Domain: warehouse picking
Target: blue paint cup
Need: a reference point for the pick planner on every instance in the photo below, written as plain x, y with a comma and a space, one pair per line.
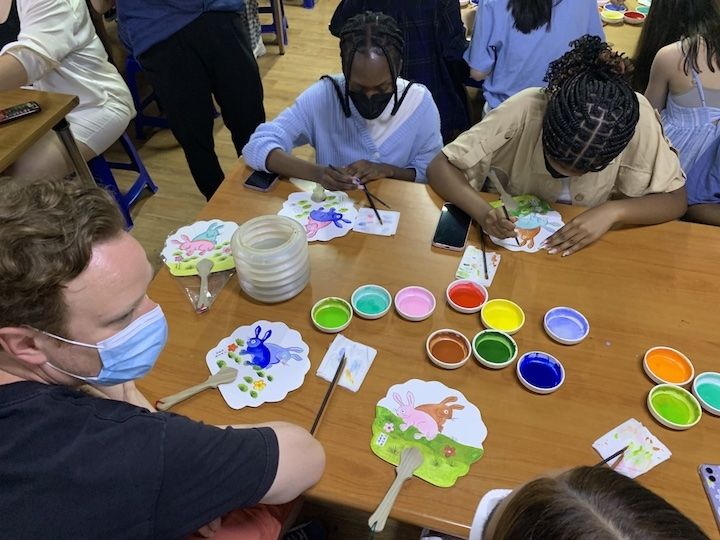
566, 325
540, 372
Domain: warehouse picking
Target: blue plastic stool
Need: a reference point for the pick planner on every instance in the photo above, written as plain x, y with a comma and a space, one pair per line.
101, 170
132, 68
274, 27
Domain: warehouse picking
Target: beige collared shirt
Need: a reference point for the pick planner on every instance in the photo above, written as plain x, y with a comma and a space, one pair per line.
509, 140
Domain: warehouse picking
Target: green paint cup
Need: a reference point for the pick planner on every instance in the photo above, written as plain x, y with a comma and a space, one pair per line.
674, 407
331, 315
494, 349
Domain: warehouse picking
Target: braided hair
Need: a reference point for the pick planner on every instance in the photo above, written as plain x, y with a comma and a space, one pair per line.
592, 110
365, 33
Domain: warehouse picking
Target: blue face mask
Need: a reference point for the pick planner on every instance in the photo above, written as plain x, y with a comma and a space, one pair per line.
129, 354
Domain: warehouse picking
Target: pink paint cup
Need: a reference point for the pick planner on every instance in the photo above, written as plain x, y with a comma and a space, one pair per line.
414, 303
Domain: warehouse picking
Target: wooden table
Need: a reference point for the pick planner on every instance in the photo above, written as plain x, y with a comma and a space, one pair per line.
638, 288
19, 135
624, 37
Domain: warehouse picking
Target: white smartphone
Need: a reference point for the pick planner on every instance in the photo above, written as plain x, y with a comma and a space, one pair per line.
452, 228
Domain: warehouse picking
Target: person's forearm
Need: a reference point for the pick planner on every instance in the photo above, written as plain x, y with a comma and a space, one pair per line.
12, 73
288, 165
450, 183
401, 174
650, 209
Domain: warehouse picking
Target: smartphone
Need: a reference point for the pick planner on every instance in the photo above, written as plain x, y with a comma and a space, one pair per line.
452, 228
261, 180
710, 476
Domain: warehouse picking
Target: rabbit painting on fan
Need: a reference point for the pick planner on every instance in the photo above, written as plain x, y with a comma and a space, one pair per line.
439, 421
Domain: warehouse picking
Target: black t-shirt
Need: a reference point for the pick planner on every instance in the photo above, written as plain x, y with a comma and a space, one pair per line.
74, 466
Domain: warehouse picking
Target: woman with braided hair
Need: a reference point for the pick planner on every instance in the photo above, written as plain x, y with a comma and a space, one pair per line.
368, 121
585, 139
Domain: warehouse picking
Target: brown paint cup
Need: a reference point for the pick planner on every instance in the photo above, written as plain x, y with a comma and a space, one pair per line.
448, 348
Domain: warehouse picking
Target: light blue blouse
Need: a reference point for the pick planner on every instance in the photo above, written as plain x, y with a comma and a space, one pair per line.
516, 60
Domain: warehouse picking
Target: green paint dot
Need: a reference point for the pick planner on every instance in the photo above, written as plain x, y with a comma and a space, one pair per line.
270, 378
253, 393
221, 363
243, 387
247, 379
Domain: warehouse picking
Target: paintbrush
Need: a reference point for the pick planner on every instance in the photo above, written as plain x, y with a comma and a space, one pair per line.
612, 456
505, 197
482, 246
331, 388
362, 187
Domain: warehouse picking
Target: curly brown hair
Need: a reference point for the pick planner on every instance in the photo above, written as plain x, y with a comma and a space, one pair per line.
48, 228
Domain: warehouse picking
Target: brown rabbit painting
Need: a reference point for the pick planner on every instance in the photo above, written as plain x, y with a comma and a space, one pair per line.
438, 420
442, 411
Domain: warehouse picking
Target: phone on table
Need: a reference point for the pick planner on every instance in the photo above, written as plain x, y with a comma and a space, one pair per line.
452, 228
710, 476
261, 180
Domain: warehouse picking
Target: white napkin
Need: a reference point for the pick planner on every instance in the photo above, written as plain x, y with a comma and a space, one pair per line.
359, 358
644, 451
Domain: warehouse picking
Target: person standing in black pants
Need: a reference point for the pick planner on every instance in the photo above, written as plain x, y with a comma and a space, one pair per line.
192, 51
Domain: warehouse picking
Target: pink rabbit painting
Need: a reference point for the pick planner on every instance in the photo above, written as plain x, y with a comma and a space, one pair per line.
425, 424
202, 243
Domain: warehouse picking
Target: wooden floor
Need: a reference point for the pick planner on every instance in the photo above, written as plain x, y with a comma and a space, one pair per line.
311, 52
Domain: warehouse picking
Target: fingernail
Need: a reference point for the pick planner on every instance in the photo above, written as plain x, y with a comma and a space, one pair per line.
552, 251
566, 253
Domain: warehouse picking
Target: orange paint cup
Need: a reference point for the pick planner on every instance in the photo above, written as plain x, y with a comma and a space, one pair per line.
665, 365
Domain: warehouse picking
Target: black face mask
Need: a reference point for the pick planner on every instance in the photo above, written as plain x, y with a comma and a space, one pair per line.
550, 169
370, 107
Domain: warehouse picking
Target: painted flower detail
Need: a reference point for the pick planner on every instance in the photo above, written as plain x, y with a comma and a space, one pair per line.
449, 451
178, 258
259, 385
232, 347
227, 250
389, 427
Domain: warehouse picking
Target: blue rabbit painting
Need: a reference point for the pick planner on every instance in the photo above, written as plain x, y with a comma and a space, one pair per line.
265, 354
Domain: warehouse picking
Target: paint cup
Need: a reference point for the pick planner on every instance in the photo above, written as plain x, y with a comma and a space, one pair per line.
566, 325
466, 296
674, 407
611, 17
665, 365
503, 315
706, 388
634, 17
331, 315
540, 372
494, 349
414, 303
448, 348
371, 301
